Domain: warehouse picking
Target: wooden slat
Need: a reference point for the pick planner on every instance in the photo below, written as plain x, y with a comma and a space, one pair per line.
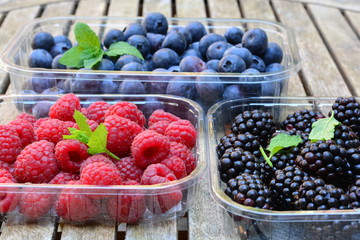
163, 6
331, 22
58, 9
8, 5
224, 9
354, 18
148, 230
44, 231
86, 232
321, 76
186, 9
341, 4
260, 9
123, 8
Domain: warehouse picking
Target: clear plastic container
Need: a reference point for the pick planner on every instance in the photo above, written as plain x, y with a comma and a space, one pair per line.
15, 57
252, 223
144, 202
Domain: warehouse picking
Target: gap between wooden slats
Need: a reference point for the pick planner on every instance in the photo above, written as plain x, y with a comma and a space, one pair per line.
354, 21
353, 5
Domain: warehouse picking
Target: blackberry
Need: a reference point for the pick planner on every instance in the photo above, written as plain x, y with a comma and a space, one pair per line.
354, 194
301, 120
284, 187
249, 190
340, 230
347, 111
345, 137
316, 195
245, 141
324, 159
353, 160
257, 122
236, 161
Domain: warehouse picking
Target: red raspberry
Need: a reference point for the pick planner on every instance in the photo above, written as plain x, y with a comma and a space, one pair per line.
39, 122
28, 117
127, 110
36, 163
72, 205
24, 130
8, 166
180, 150
95, 158
100, 173
128, 169
182, 131
161, 115
85, 112
8, 198
159, 173
121, 133
149, 147
127, 208
10, 143
159, 126
53, 130
64, 108
64, 178
96, 111
5, 173
35, 203
176, 165
70, 154
93, 125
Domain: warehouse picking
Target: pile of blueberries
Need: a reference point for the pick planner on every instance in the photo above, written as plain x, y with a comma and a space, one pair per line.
167, 51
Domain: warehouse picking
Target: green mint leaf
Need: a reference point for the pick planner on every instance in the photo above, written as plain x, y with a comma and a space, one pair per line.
85, 36
78, 135
90, 62
81, 121
282, 141
323, 129
123, 48
73, 57
97, 142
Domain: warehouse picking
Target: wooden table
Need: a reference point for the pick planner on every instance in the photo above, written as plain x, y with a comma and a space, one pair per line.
327, 35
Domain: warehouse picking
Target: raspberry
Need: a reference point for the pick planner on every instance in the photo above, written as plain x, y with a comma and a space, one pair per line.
34, 204
74, 206
39, 122
64, 178
6, 174
100, 173
25, 131
159, 173
7, 166
70, 154
161, 115
95, 158
127, 208
96, 111
127, 110
10, 143
182, 131
159, 126
36, 163
8, 198
128, 169
180, 150
176, 165
28, 117
64, 108
85, 112
121, 133
53, 130
149, 147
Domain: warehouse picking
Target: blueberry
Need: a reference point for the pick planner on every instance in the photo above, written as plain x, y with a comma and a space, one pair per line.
273, 54
271, 88
175, 41
148, 65
150, 105
197, 30
255, 40
43, 40
251, 71
41, 109
39, 84
104, 64
155, 41
274, 67
63, 39
195, 46
131, 87
55, 63
58, 48
141, 43
157, 84
185, 32
244, 53
165, 58
191, 52
181, 87
252, 87
231, 64
83, 82
258, 64
174, 69
109, 86
212, 64
216, 50
232, 92
234, 35
53, 90
209, 88
155, 23
192, 64
40, 58
113, 36
207, 40
25, 103
134, 29
133, 66
125, 59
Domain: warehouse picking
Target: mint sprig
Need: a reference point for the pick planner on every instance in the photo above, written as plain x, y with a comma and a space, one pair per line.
96, 141
323, 129
88, 51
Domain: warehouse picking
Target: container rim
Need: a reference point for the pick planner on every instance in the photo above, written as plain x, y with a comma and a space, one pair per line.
7, 65
261, 214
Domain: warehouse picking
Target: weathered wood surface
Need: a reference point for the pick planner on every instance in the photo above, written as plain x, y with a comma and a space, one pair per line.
354, 20
86, 232
353, 5
16, 231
